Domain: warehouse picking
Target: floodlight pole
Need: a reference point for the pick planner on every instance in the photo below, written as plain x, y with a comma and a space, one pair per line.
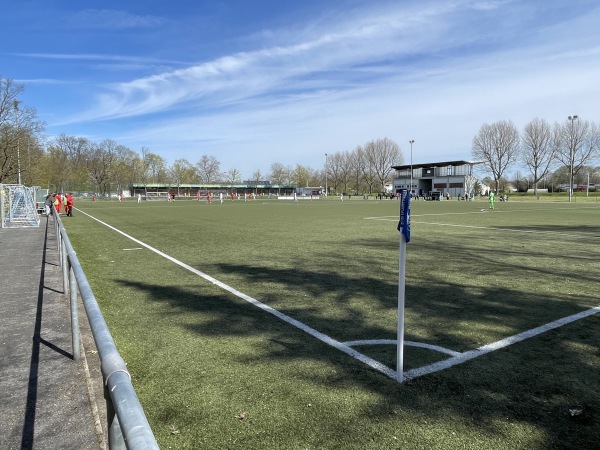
326, 175
411, 142
16, 106
571, 156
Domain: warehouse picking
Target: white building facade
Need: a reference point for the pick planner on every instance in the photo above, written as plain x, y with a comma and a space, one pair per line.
436, 180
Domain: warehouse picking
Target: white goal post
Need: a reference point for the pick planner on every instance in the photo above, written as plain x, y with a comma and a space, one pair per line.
157, 195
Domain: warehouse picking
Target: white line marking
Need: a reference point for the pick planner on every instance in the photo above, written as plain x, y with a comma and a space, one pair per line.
436, 348
472, 354
135, 248
396, 218
320, 336
516, 230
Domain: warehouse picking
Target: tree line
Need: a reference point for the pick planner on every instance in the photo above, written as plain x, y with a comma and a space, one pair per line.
77, 164
562, 150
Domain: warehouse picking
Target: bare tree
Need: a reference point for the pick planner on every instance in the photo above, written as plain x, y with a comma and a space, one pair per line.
279, 174
576, 143
336, 170
497, 145
257, 176
154, 167
121, 171
301, 175
69, 154
537, 149
19, 127
233, 176
355, 169
182, 171
99, 163
208, 169
381, 155
368, 166
470, 184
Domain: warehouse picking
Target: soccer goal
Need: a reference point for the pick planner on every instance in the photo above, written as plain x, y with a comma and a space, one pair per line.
17, 206
157, 195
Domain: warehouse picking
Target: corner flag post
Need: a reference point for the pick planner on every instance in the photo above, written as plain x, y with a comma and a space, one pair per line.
404, 228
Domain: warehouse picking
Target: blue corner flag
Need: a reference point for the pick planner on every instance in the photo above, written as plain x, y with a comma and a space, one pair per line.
404, 224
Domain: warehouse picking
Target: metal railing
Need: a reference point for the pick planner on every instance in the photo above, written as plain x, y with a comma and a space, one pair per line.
128, 427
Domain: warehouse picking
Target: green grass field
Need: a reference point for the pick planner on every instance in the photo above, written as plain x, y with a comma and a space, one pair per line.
214, 371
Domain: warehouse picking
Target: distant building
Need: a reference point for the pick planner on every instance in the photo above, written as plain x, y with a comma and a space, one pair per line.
308, 191
434, 180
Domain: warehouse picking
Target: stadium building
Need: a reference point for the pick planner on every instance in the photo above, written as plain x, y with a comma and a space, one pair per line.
162, 190
436, 180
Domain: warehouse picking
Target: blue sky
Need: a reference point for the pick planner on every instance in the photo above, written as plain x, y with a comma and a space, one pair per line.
263, 81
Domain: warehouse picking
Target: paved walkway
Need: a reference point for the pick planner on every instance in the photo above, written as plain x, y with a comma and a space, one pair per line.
47, 400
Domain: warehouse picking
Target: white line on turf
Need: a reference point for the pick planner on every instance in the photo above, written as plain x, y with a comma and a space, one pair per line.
472, 354
516, 230
496, 211
436, 348
311, 331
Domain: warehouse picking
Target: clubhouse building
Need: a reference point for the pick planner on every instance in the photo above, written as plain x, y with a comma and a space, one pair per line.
436, 180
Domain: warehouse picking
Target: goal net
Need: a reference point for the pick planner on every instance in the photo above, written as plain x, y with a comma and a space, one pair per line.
17, 206
157, 195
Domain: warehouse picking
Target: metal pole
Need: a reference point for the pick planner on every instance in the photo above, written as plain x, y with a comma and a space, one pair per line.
404, 228
325, 174
412, 141
1, 205
16, 106
571, 156
74, 314
65, 270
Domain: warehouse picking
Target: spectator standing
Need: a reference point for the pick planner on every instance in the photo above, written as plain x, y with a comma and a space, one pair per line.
58, 201
48, 204
69, 204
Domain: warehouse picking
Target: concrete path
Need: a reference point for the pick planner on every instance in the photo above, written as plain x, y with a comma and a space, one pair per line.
47, 400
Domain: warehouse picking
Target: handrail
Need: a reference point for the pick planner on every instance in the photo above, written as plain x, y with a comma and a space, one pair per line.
128, 426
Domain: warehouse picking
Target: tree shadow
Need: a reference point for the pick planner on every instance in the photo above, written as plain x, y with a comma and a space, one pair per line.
474, 393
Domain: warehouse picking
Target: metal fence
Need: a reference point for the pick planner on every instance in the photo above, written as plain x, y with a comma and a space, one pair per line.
17, 206
128, 427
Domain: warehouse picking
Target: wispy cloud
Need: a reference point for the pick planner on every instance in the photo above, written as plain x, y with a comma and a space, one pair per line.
431, 70
110, 19
357, 51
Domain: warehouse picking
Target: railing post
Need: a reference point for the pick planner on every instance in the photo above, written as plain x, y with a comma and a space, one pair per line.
115, 435
1, 205
64, 264
74, 314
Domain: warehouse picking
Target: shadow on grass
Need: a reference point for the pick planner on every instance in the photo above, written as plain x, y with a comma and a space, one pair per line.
535, 382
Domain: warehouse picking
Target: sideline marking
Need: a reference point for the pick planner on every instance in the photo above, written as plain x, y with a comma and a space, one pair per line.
296, 323
516, 230
433, 347
395, 218
472, 354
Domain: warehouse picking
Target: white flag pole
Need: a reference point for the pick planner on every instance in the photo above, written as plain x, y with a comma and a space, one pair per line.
404, 228
401, 285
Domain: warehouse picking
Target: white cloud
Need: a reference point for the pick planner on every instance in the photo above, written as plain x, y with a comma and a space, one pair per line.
432, 71
110, 19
